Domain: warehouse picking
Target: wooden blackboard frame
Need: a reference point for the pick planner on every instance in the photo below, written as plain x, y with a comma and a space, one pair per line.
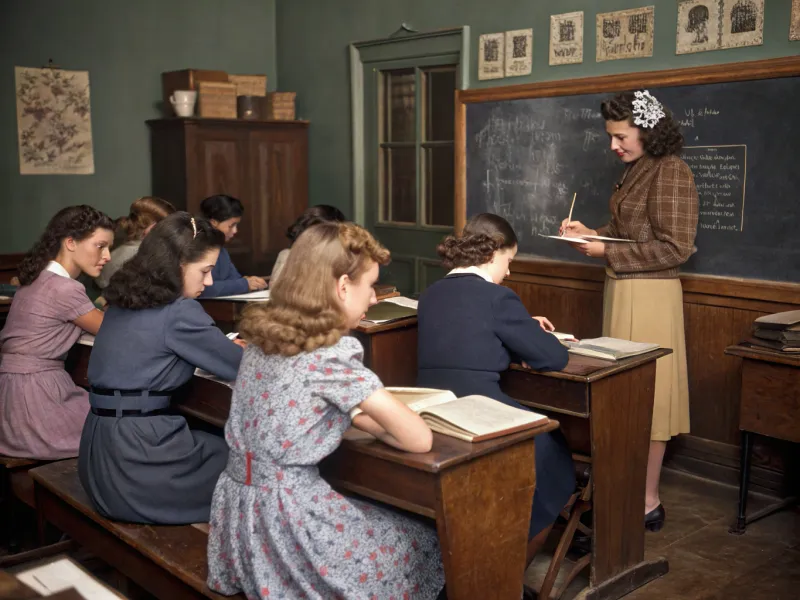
721, 73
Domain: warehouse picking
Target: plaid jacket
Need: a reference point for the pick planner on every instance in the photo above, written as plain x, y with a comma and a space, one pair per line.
657, 205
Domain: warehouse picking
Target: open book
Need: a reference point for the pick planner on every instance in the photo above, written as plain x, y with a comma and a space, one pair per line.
471, 418
63, 574
607, 348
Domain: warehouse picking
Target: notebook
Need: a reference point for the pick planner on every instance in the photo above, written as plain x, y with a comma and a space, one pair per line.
563, 337
391, 310
259, 296
471, 418
607, 348
584, 239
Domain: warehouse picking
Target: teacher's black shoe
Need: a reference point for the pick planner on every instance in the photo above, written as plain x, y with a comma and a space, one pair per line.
654, 520
529, 593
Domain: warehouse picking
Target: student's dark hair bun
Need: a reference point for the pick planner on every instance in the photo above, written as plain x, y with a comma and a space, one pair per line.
483, 235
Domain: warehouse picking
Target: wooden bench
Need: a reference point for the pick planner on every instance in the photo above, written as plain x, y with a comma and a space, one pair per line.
166, 561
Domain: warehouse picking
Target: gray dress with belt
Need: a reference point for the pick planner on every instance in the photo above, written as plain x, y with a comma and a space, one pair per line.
150, 467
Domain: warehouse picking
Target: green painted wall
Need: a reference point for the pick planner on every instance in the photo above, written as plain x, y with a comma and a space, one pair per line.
125, 46
313, 36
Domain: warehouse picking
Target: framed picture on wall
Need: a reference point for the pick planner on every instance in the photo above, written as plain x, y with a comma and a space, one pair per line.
566, 38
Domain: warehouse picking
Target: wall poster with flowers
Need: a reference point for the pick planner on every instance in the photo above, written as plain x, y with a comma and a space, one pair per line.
54, 122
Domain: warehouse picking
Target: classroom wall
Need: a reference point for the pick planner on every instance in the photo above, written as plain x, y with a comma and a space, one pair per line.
125, 46
313, 35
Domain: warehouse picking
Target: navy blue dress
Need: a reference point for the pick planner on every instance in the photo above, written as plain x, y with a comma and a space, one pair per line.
152, 468
470, 330
227, 280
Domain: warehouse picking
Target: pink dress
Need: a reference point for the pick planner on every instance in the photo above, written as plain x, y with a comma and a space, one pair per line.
41, 410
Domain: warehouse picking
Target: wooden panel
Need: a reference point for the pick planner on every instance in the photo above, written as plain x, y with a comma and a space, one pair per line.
216, 165
168, 161
279, 190
771, 400
9, 266
718, 312
619, 399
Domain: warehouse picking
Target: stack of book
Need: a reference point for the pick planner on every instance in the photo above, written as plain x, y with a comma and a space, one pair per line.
780, 331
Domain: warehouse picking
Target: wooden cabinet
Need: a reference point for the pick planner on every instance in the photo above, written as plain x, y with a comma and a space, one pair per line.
263, 163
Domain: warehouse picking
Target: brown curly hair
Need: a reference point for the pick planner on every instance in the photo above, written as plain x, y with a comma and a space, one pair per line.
303, 313
483, 235
76, 222
662, 140
145, 211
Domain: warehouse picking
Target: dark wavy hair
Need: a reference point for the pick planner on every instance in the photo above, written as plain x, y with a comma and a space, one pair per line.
221, 208
153, 277
76, 222
662, 140
322, 213
483, 235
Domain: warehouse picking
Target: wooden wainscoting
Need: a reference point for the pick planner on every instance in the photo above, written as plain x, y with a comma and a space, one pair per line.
718, 312
9, 263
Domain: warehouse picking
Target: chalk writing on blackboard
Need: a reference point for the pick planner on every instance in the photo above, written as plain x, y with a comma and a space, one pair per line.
720, 174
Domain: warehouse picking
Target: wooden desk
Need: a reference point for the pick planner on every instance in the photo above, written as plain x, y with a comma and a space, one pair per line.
770, 405
605, 410
480, 495
390, 349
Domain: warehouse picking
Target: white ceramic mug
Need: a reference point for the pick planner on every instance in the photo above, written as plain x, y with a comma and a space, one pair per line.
183, 102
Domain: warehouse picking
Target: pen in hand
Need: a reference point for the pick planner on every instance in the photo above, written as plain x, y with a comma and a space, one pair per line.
569, 218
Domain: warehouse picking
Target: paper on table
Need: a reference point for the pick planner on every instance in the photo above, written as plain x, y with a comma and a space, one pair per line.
62, 575
86, 339
259, 296
562, 336
403, 301
206, 375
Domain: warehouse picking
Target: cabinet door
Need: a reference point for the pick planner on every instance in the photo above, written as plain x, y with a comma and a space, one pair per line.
279, 176
217, 164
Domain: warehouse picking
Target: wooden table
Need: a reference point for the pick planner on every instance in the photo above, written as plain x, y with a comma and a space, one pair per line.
605, 410
479, 495
770, 405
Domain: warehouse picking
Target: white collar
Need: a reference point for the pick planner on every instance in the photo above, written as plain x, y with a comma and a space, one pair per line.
472, 271
58, 269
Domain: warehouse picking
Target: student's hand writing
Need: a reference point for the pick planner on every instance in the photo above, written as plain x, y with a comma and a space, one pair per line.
240, 343
255, 283
574, 228
545, 323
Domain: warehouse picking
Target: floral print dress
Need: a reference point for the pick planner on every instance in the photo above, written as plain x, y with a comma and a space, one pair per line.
277, 529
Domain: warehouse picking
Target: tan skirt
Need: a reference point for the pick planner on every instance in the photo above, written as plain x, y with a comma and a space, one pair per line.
651, 310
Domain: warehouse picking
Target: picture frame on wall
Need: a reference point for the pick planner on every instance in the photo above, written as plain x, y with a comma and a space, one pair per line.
491, 56
566, 38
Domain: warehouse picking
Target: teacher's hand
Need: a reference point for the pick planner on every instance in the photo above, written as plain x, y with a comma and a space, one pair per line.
545, 323
592, 249
574, 228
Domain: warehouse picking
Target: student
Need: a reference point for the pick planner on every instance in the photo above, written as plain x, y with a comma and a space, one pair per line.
311, 216
225, 214
41, 409
656, 204
277, 528
138, 461
144, 214
471, 328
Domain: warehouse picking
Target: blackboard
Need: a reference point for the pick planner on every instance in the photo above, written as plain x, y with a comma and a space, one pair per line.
526, 158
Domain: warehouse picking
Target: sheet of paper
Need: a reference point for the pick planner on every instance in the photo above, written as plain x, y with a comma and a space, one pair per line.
564, 238
403, 301
259, 296
602, 238
64, 574
86, 339
562, 336
206, 375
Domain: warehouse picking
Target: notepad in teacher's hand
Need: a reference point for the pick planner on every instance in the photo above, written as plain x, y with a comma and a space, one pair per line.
584, 239
259, 296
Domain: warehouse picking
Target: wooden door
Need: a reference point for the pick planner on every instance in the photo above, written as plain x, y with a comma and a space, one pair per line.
217, 164
279, 187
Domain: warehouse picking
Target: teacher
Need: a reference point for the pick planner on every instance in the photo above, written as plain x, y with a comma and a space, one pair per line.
655, 205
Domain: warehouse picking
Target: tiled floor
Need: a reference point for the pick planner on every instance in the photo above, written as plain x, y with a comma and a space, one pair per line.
705, 561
